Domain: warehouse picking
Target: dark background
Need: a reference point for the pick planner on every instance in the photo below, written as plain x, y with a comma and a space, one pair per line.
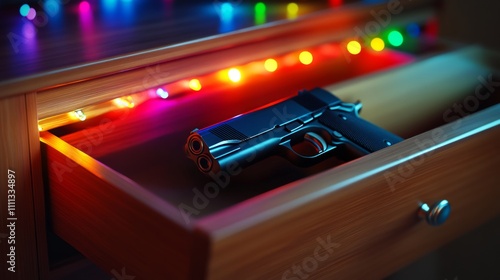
465, 21
471, 22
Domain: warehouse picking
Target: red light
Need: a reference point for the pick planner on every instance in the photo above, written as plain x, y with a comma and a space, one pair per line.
432, 28
336, 3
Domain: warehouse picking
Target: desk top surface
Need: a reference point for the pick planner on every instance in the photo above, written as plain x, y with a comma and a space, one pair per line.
65, 33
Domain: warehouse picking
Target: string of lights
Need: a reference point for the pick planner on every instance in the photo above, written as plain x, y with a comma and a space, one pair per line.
393, 38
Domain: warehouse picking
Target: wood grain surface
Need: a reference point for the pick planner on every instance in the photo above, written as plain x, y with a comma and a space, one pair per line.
20, 152
406, 99
112, 220
64, 35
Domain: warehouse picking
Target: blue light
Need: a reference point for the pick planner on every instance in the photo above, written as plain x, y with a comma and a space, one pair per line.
226, 11
24, 10
51, 7
110, 5
413, 30
162, 93
127, 12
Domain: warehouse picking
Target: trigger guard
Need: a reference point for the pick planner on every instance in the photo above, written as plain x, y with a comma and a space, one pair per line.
317, 141
306, 160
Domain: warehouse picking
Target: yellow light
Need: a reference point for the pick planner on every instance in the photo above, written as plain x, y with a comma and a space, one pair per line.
195, 84
305, 57
80, 115
292, 10
124, 102
40, 128
129, 101
119, 103
234, 75
377, 44
354, 47
271, 65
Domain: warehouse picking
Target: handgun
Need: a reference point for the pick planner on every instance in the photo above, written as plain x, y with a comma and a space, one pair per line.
305, 129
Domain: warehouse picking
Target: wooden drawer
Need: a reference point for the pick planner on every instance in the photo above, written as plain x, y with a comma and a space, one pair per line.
365, 211
122, 192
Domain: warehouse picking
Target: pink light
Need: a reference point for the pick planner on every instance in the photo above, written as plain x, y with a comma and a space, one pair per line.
84, 7
31, 14
90, 42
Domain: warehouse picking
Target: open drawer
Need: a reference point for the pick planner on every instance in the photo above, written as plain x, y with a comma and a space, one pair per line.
122, 192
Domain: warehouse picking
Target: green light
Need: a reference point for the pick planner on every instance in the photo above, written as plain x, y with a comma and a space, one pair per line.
260, 13
260, 8
395, 38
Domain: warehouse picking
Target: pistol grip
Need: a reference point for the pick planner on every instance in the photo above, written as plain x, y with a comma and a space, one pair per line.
362, 133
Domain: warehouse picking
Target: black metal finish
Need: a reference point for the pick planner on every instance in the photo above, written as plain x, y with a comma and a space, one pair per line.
316, 118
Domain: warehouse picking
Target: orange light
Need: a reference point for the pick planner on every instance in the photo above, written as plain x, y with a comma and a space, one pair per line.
305, 57
234, 75
195, 84
329, 49
290, 59
377, 44
354, 47
271, 65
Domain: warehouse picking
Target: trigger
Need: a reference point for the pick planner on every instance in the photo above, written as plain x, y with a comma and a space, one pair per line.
317, 141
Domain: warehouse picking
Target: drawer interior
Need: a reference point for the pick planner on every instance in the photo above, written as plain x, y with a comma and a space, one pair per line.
146, 143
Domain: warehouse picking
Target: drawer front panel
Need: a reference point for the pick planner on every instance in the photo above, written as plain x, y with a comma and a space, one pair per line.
359, 220
111, 220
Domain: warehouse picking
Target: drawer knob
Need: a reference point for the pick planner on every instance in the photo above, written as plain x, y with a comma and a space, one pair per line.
437, 214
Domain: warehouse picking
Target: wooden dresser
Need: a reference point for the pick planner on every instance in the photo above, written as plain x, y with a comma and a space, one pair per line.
118, 188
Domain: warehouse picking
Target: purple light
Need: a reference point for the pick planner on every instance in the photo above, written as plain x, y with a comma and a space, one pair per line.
31, 14
24, 10
29, 30
84, 7
162, 93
